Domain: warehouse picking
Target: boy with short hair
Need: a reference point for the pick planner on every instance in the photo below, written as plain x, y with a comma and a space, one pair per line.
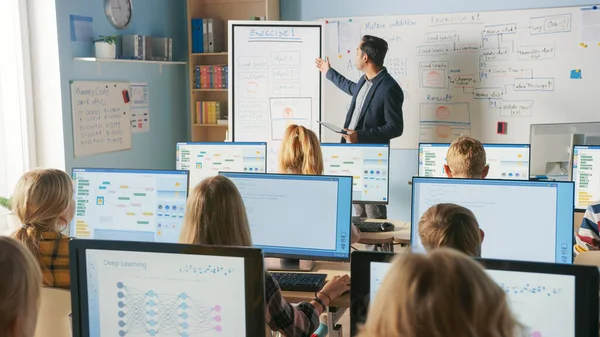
452, 226
466, 159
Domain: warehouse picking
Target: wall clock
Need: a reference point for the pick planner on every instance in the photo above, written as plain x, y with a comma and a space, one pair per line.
119, 12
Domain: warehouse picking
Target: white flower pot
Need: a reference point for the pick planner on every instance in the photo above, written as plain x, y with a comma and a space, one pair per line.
105, 50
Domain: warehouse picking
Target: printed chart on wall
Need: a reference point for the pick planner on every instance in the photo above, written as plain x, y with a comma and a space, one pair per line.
101, 117
140, 108
275, 82
462, 73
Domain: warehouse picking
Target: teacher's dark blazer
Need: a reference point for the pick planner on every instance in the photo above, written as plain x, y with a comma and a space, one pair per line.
381, 114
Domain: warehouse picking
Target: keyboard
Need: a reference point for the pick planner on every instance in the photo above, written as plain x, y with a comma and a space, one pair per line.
300, 281
370, 226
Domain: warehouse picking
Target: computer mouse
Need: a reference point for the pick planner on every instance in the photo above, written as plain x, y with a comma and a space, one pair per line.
387, 227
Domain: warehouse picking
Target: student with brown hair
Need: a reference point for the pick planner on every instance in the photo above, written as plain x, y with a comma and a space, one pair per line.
453, 226
443, 293
215, 215
43, 202
20, 288
466, 158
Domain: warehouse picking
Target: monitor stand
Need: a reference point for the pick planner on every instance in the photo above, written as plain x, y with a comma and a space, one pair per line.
288, 264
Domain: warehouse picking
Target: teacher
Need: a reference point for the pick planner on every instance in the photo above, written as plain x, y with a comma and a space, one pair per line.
375, 113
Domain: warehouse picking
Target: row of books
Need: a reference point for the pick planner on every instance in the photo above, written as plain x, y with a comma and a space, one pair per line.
208, 35
211, 77
211, 112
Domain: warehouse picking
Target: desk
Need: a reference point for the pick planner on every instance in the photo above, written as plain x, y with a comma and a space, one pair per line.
400, 234
339, 305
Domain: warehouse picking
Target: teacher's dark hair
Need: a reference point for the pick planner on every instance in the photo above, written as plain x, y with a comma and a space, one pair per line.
375, 48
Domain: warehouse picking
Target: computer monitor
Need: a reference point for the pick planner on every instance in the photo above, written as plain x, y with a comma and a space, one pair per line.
552, 144
522, 220
207, 159
158, 289
548, 299
368, 164
129, 205
298, 216
506, 161
586, 175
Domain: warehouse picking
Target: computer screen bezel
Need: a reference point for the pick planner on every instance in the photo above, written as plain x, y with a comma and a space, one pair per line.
305, 256
363, 202
120, 170
360, 292
484, 145
223, 144
414, 223
572, 177
586, 287
253, 270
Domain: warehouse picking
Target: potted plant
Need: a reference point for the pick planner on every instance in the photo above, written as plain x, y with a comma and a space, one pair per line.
11, 224
106, 47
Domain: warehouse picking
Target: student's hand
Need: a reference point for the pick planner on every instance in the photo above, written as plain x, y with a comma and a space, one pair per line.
323, 65
351, 136
337, 286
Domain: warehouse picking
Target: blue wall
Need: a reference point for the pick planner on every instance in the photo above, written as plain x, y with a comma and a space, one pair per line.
167, 91
403, 162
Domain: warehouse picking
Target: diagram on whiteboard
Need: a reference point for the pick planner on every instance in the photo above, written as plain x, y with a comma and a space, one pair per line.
287, 111
461, 73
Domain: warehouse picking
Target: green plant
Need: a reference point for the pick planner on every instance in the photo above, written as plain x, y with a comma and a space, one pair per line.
5, 202
110, 39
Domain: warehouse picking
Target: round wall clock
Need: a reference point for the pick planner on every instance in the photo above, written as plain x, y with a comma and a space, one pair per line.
119, 12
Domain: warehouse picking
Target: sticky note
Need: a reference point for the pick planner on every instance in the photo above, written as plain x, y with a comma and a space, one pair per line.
339, 56
576, 74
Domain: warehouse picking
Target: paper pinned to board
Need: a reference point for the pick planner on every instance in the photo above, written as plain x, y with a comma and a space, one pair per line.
140, 108
590, 24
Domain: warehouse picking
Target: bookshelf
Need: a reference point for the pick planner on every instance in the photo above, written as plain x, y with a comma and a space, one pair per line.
223, 10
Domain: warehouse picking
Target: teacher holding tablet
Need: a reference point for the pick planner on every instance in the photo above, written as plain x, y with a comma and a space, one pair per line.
375, 114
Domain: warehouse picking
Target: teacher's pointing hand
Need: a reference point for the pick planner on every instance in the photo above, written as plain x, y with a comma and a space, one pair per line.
323, 65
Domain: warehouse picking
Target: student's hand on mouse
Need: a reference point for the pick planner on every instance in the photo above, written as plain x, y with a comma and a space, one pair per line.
337, 286
351, 136
323, 65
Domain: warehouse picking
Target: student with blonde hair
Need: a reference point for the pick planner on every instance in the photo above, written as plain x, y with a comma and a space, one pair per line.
215, 215
466, 158
301, 154
442, 294
43, 202
300, 151
453, 226
20, 288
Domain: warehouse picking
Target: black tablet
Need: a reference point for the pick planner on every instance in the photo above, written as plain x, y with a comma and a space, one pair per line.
158, 289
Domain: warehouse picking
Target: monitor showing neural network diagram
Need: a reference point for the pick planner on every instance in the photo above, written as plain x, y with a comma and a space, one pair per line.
207, 159
157, 289
129, 205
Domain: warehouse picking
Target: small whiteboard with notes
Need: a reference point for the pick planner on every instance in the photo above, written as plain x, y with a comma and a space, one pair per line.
101, 117
274, 81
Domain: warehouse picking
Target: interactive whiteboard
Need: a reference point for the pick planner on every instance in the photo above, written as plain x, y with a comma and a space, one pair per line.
274, 80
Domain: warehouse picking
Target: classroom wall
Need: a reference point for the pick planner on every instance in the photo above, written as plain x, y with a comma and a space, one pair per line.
403, 163
167, 91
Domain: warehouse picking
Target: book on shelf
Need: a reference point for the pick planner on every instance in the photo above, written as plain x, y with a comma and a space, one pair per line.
210, 112
210, 76
208, 35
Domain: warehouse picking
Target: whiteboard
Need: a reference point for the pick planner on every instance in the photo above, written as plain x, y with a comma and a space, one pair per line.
462, 73
274, 82
101, 117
